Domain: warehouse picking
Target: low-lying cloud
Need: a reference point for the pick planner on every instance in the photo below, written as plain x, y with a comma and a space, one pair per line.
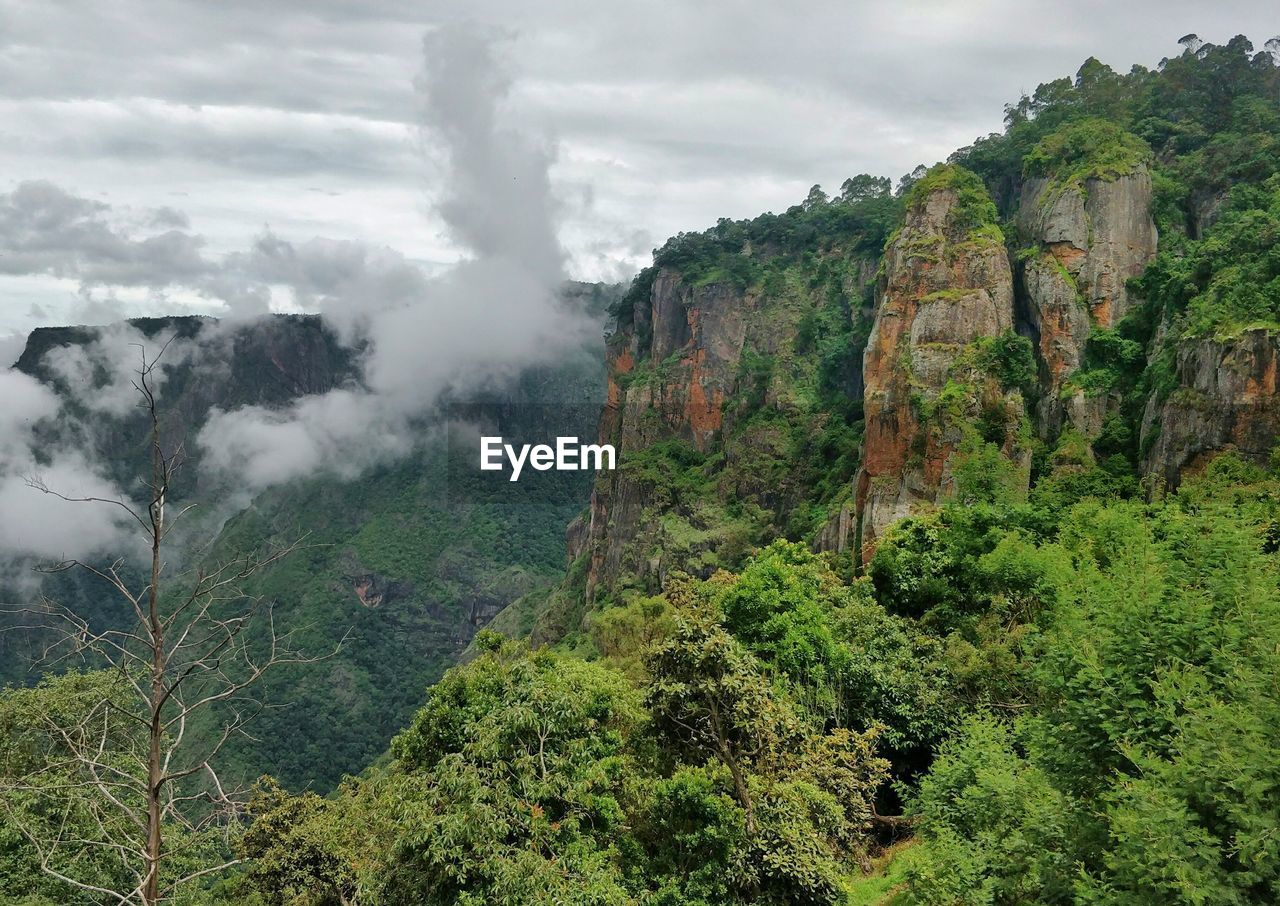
482, 321
36, 524
496, 312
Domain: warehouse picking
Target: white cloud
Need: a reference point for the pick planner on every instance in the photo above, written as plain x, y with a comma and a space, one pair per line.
35, 524
494, 313
675, 113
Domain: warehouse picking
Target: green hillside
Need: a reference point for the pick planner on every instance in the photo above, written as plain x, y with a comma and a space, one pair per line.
941, 566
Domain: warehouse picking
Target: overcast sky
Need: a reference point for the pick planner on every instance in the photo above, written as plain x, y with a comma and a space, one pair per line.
142, 141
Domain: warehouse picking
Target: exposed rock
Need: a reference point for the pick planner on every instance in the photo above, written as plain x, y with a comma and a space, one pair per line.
1086, 243
947, 283
1226, 399
267, 362
837, 536
575, 536
1205, 208
697, 334
373, 590
669, 374
671, 370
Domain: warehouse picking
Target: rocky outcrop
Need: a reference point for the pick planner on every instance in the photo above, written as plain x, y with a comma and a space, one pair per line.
1226, 400
681, 371
679, 362
669, 373
268, 362
1083, 242
373, 590
947, 284
839, 533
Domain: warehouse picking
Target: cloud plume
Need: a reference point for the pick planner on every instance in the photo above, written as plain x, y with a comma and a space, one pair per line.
494, 313
497, 311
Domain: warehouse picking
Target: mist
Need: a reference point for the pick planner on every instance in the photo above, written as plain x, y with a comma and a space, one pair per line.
478, 323
487, 318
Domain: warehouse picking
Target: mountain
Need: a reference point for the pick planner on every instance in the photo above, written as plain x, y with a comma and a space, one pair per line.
404, 562
822, 374
941, 564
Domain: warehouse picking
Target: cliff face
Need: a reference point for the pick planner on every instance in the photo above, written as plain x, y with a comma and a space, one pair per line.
678, 363
1226, 399
669, 375
1085, 242
706, 378
947, 285
269, 362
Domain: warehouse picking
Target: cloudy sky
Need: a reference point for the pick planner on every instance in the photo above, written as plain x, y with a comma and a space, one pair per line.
154, 156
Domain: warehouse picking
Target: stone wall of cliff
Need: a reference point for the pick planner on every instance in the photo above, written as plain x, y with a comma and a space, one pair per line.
946, 286
1082, 243
706, 378
1226, 399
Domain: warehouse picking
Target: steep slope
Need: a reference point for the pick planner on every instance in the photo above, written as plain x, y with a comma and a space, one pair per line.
405, 561
1086, 228
734, 388
269, 363
1213, 368
933, 363
999, 344
1227, 397
1027, 366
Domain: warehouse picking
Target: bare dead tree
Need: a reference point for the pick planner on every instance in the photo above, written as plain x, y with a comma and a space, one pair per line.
194, 642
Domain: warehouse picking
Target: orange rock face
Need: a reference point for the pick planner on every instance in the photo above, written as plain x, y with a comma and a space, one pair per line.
944, 287
619, 366
669, 375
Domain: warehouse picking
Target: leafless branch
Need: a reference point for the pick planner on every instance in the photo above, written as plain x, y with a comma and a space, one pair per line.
191, 644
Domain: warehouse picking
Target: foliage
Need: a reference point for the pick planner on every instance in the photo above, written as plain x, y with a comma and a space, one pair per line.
39, 787
1089, 148
1117, 786
1229, 281
534, 777
973, 207
741, 252
1072, 689
1010, 358
47, 795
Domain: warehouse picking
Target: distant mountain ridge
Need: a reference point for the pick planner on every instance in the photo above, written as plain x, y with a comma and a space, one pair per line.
408, 567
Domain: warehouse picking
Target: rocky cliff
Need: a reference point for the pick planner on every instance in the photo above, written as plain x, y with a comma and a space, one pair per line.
1226, 399
1083, 240
995, 347
670, 374
208, 364
733, 376
946, 289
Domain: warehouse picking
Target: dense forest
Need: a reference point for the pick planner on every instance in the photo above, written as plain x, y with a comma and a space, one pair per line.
982, 609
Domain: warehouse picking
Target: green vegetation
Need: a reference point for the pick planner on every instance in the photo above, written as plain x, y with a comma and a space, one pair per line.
1056, 688
534, 776
1228, 281
1089, 148
973, 210
744, 253
1144, 769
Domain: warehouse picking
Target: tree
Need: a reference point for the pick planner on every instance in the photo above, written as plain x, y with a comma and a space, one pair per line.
1144, 769
506, 788
194, 641
815, 199
709, 696
863, 187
